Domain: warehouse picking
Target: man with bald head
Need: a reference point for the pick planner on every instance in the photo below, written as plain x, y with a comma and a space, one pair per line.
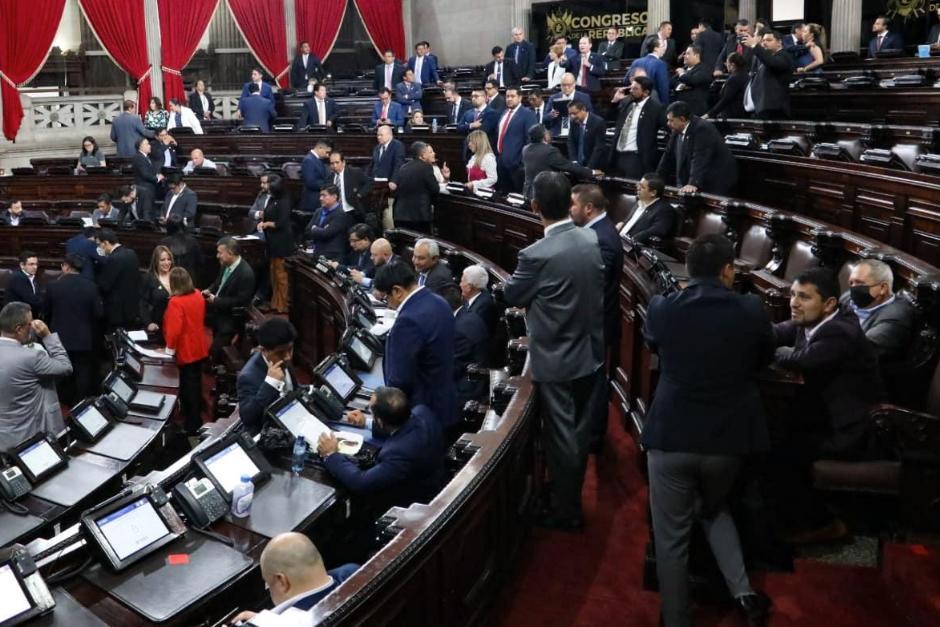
388, 155
294, 573
382, 254
198, 160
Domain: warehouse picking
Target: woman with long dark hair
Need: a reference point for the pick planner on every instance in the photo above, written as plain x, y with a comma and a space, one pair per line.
91, 155
279, 239
156, 116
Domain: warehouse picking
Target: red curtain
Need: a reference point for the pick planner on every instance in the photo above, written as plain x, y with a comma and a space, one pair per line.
182, 25
119, 26
385, 25
318, 22
26, 33
263, 26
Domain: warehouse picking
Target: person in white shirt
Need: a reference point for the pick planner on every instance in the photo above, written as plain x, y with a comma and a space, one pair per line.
183, 116
481, 169
198, 160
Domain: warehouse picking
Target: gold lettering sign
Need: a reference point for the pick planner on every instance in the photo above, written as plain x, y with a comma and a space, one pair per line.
905, 8
561, 23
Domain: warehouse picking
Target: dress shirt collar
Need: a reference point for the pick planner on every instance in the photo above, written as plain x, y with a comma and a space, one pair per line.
291, 602
596, 219
472, 299
408, 297
865, 314
811, 332
552, 227
10, 339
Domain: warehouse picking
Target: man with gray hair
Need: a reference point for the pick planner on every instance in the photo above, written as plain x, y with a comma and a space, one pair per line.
475, 296
31, 357
432, 274
293, 571
415, 188
886, 319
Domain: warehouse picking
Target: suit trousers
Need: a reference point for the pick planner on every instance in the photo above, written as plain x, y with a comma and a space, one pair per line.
629, 165
567, 408
683, 487
279, 285
83, 380
509, 181
146, 199
191, 395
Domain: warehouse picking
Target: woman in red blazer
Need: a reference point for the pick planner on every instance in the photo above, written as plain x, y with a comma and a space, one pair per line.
185, 335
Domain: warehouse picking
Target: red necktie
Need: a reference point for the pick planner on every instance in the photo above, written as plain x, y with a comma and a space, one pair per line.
385, 112
502, 131
739, 49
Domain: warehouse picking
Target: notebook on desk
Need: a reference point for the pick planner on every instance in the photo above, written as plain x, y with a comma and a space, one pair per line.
147, 400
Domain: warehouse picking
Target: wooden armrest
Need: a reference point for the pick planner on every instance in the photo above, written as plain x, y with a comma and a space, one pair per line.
907, 431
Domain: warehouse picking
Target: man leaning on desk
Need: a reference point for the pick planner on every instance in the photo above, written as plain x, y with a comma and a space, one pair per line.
266, 376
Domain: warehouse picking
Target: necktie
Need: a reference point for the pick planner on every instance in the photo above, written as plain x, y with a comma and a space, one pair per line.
179, 120
680, 141
321, 111
456, 107
476, 116
422, 278
388, 76
625, 131
225, 275
499, 74
516, 55
881, 39
381, 151
385, 112
32, 284
503, 129
324, 214
338, 181
584, 72
581, 143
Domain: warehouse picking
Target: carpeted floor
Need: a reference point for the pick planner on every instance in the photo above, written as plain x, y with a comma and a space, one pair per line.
595, 578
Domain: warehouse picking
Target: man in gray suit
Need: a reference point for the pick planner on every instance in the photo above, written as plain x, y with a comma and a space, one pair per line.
181, 201
560, 281
127, 128
28, 402
887, 320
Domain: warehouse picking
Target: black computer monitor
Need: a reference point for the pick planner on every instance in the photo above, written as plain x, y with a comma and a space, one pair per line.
358, 350
89, 422
23, 594
127, 530
39, 457
341, 380
226, 461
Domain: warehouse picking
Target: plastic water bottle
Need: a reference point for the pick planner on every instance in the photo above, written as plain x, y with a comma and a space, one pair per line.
242, 495
433, 125
300, 455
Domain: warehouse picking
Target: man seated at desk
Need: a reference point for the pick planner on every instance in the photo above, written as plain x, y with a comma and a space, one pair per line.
409, 467
266, 375
381, 252
295, 575
359, 256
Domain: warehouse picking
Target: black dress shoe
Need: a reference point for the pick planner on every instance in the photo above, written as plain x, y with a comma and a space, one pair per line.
560, 523
755, 607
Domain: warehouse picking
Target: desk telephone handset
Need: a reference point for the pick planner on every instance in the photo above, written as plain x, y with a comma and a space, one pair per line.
200, 501
13, 484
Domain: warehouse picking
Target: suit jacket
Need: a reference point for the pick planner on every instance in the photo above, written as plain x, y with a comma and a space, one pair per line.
669, 57
185, 206
512, 75
158, 155
497, 104
592, 139
892, 41
428, 70
315, 176
419, 354
704, 159
356, 187
195, 103
731, 45
73, 307
396, 113
555, 125
515, 138
611, 52
339, 575
598, 68
359, 261
485, 307
840, 380
254, 393
300, 74
398, 72
330, 239
26, 377
153, 299
711, 42
711, 343
20, 289
119, 282
731, 100
770, 80
697, 82
471, 338
542, 157
545, 120
280, 239
310, 116
525, 60
437, 278
934, 35
145, 172
409, 467
890, 329
554, 277
612, 255
257, 111
657, 71
266, 92
488, 117
87, 250
417, 188
462, 107
126, 129
184, 324
392, 159
652, 119
659, 220
408, 96
237, 292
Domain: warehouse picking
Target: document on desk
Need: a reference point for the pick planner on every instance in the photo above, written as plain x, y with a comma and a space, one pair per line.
137, 336
299, 421
246, 237
152, 354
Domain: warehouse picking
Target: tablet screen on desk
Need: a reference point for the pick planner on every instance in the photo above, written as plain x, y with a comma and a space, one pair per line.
133, 364
362, 351
132, 528
228, 465
340, 381
39, 458
13, 600
122, 389
92, 420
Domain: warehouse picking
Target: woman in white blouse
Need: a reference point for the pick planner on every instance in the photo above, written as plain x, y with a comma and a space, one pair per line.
556, 71
200, 101
481, 169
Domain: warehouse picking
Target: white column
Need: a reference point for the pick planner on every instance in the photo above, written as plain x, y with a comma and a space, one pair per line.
290, 20
656, 11
846, 25
152, 26
409, 29
522, 14
747, 10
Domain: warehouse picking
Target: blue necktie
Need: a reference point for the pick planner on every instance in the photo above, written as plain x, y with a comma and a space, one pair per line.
422, 278
517, 53
581, 143
179, 120
323, 216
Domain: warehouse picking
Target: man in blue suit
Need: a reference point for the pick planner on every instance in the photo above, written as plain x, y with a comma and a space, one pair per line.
512, 133
84, 246
480, 116
408, 93
256, 110
522, 53
419, 349
560, 123
883, 38
319, 110
386, 111
410, 465
424, 65
589, 67
570, 62
654, 67
264, 89
315, 175
327, 229
388, 156
470, 344
266, 376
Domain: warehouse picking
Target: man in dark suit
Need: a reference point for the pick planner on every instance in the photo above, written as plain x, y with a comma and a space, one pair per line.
734, 42
654, 68
354, 187
540, 156
883, 38
305, 66
511, 136
146, 178
387, 111
419, 349
163, 150
181, 201
256, 110
473, 283
23, 285
264, 89
933, 37
388, 156
381, 254
12, 214
424, 65
768, 94
611, 49
494, 99
73, 309
409, 467
887, 319
319, 110
119, 282
706, 417
540, 107
315, 175
359, 257
841, 382
693, 82
83, 245
415, 189
587, 141
457, 107
522, 53
553, 280
635, 148
266, 376
589, 67
129, 206
408, 94
432, 273
710, 43
327, 230
664, 34
502, 71
480, 116
697, 155
387, 74
652, 216
232, 289
560, 123
471, 338
127, 129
